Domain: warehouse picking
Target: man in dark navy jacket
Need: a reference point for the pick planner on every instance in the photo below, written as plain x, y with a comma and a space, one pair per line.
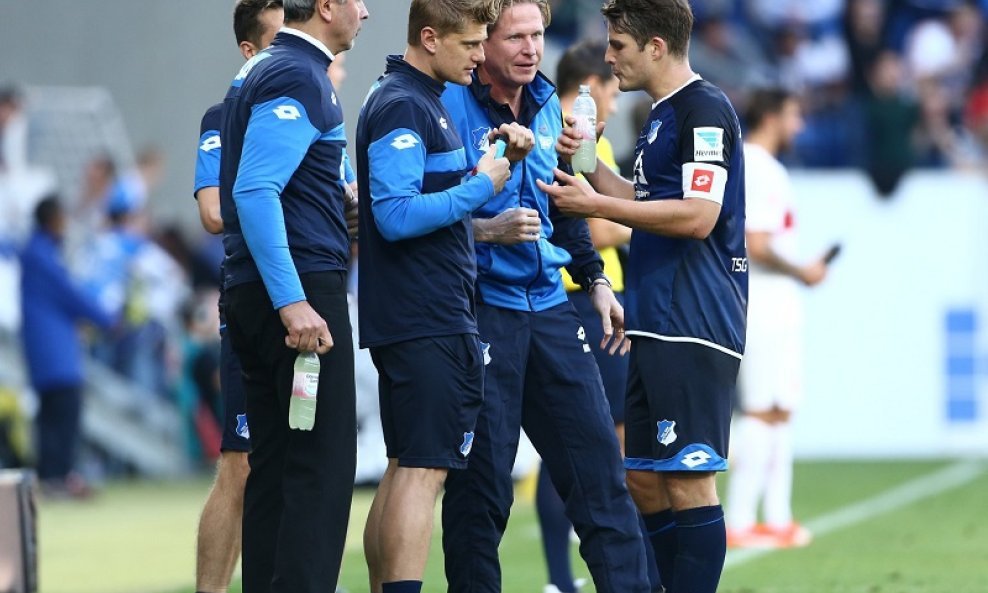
285, 234
417, 310
52, 307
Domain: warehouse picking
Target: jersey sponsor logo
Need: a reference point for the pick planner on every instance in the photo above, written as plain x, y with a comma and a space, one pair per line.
666, 434
467, 444
287, 112
640, 179
404, 142
546, 142
708, 144
703, 180
210, 143
242, 429
695, 459
653, 132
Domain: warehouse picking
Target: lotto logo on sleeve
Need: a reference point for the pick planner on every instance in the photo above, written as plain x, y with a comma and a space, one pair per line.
404, 142
289, 112
708, 144
703, 181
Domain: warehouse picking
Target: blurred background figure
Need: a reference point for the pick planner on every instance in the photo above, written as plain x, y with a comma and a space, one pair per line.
13, 130
53, 306
771, 372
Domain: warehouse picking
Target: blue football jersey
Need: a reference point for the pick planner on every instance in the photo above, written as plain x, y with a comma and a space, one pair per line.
417, 265
691, 290
210, 148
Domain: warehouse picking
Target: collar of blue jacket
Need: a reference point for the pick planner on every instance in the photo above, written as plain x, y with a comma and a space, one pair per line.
397, 63
534, 97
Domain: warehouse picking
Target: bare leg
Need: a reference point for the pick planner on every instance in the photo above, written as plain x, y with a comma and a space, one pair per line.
405, 527
218, 546
372, 530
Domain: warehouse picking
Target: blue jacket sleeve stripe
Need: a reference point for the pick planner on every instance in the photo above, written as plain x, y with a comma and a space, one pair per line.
349, 175
208, 160
401, 211
446, 162
278, 136
337, 134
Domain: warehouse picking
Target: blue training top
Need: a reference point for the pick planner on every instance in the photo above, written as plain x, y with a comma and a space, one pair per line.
689, 290
281, 195
417, 267
524, 277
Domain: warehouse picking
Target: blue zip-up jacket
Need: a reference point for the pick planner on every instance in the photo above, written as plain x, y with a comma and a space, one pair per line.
523, 277
417, 263
52, 306
281, 168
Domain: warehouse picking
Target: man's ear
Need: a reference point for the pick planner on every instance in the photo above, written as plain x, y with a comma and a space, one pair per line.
247, 49
428, 38
657, 48
325, 9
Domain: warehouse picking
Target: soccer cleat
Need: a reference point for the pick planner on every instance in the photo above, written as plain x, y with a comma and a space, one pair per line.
751, 538
793, 535
578, 584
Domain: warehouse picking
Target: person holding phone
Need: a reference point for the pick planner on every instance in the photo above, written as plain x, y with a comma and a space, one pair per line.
769, 380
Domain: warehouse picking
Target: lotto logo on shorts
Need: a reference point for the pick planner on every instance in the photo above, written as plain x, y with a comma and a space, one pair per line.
703, 180
695, 459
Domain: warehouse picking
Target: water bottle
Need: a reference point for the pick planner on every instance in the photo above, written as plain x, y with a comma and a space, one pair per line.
585, 113
305, 385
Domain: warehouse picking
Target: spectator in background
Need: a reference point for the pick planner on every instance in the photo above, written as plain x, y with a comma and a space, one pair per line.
864, 22
891, 116
52, 307
727, 53
13, 130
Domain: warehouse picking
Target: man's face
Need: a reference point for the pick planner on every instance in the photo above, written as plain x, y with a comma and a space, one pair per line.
626, 60
604, 93
459, 54
347, 20
514, 48
790, 124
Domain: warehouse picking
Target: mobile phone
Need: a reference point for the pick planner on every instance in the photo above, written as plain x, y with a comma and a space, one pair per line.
831, 253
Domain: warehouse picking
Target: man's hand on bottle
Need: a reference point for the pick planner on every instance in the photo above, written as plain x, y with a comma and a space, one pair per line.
307, 331
497, 168
569, 140
518, 139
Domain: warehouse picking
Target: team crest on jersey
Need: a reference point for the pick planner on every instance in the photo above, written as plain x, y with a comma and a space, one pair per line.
242, 430
653, 132
666, 432
480, 138
443, 123
467, 444
708, 144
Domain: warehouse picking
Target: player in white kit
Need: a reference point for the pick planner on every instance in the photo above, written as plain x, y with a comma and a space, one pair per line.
771, 373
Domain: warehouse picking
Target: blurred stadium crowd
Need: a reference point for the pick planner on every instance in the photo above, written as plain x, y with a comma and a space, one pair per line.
887, 86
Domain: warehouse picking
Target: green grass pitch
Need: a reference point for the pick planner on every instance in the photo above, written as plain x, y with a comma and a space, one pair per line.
887, 527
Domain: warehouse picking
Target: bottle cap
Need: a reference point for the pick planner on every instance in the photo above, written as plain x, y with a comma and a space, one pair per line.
584, 89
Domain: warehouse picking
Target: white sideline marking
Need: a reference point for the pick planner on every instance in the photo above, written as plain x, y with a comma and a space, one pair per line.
938, 482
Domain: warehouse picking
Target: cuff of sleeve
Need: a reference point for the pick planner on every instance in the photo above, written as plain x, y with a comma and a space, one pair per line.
488, 183
589, 273
278, 303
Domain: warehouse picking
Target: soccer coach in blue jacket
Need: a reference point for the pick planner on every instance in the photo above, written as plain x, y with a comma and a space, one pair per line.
285, 234
542, 375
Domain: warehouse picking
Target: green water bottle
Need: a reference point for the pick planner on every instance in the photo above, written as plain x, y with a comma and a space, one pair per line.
305, 387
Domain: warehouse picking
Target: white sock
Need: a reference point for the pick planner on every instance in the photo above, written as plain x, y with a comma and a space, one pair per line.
750, 458
778, 486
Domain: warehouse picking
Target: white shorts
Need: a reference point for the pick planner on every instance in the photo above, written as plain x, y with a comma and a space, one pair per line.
771, 372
